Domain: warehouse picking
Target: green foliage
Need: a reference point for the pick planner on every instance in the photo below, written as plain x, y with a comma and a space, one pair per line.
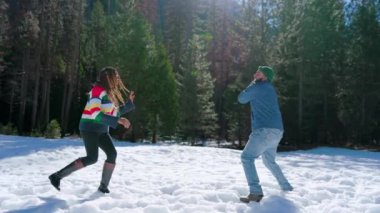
132, 56
358, 85
198, 116
203, 54
4, 28
236, 114
145, 68
189, 108
8, 129
164, 100
207, 120
95, 38
309, 54
53, 129
36, 133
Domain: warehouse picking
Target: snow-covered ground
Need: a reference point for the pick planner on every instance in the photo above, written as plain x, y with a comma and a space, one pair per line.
172, 178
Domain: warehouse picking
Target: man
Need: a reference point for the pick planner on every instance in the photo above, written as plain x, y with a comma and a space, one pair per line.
267, 131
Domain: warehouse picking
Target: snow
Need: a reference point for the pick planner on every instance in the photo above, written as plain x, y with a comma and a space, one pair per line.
173, 178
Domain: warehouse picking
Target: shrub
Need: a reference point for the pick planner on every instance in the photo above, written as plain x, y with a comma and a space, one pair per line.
53, 130
36, 133
8, 129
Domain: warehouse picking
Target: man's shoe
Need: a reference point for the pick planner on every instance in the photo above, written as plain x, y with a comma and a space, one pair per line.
251, 197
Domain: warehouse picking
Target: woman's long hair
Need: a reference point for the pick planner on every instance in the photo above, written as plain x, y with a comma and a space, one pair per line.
109, 78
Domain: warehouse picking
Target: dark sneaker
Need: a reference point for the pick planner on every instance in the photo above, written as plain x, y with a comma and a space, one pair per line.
251, 197
103, 189
55, 181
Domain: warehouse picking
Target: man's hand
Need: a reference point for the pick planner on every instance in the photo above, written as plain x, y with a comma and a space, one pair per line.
132, 96
125, 122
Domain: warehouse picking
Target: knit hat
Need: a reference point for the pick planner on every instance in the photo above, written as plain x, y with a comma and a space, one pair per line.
267, 71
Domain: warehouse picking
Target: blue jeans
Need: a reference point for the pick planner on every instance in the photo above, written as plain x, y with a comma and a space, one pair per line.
263, 141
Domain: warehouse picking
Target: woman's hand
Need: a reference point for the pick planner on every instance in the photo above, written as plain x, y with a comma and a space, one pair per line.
125, 122
132, 96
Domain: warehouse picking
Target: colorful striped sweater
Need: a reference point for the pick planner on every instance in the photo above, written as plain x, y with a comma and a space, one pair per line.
100, 113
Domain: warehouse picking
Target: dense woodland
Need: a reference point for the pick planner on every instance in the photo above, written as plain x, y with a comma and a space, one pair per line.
187, 60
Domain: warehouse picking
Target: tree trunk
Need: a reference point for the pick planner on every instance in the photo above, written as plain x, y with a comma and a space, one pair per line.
47, 105
154, 136
39, 48
325, 118
72, 68
363, 130
64, 100
35, 97
67, 98
300, 103
44, 113
43, 106
11, 103
23, 90
68, 107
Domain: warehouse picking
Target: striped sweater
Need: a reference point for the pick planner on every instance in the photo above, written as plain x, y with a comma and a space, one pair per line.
100, 113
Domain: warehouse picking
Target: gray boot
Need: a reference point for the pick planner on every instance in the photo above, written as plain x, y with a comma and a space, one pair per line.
55, 178
106, 177
251, 197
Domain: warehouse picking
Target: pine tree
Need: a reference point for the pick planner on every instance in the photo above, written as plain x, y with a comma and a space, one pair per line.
224, 51
95, 39
145, 67
207, 120
7, 84
290, 71
4, 31
189, 107
237, 115
72, 23
198, 117
163, 102
131, 51
178, 32
359, 82
310, 48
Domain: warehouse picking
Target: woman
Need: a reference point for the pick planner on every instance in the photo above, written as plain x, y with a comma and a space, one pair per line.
103, 109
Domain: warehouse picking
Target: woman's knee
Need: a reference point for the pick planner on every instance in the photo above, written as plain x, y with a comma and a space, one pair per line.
111, 157
89, 160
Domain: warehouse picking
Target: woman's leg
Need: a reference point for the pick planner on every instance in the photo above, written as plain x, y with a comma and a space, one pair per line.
91, 145
109, 165
106, 144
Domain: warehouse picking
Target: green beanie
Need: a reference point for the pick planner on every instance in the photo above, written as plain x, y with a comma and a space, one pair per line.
267, 71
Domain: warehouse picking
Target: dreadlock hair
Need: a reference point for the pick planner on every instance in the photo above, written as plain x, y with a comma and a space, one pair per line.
109, 78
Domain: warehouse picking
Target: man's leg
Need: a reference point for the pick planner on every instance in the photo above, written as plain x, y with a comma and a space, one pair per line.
253, 149
269, 159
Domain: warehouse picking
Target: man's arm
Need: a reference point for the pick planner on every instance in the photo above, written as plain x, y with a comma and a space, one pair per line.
247, 94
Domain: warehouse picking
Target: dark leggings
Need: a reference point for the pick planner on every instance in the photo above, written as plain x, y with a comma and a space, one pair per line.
93, 141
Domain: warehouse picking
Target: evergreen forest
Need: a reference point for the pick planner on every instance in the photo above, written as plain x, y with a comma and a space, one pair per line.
187, 61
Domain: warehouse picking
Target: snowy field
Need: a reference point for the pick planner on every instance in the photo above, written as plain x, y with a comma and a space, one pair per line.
171, 178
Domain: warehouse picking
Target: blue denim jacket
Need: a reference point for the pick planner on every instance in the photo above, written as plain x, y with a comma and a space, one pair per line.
265, 111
